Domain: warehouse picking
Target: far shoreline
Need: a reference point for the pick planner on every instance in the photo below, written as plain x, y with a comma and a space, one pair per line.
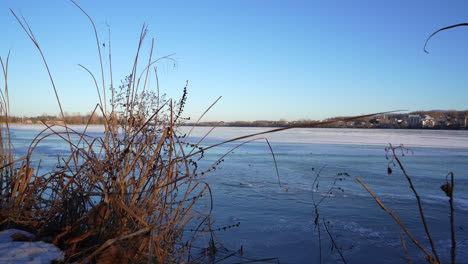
228, 124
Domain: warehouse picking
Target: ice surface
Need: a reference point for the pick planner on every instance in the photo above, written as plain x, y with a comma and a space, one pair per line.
26, 252
369, 137
40, 127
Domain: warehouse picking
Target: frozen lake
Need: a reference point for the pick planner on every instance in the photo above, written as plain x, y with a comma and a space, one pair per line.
275, 223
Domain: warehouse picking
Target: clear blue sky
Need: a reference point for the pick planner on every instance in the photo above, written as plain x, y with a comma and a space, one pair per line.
268, 59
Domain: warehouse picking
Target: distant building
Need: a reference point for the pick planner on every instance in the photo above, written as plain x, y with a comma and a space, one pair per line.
427, 121
414, 120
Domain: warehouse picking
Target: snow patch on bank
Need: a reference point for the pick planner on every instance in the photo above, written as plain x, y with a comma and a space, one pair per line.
26, 252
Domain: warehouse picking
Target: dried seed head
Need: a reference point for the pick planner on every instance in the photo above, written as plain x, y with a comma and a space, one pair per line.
447, 188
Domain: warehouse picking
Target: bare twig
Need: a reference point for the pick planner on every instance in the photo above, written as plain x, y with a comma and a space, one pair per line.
418, 198
333, 242
448, 189
404, 246
442, 29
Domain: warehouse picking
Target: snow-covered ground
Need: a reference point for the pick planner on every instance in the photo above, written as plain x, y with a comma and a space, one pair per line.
26, 252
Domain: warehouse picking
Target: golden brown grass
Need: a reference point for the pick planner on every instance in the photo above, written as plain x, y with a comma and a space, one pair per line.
128, 194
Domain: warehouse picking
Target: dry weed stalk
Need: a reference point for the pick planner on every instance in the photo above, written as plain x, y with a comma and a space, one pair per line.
16, 194
315, 185
447, 188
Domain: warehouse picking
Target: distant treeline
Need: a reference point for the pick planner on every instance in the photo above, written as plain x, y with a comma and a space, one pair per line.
74, 119
440, 119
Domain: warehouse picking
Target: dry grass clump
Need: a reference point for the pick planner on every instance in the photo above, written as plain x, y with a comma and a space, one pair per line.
128, 191
127, 195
